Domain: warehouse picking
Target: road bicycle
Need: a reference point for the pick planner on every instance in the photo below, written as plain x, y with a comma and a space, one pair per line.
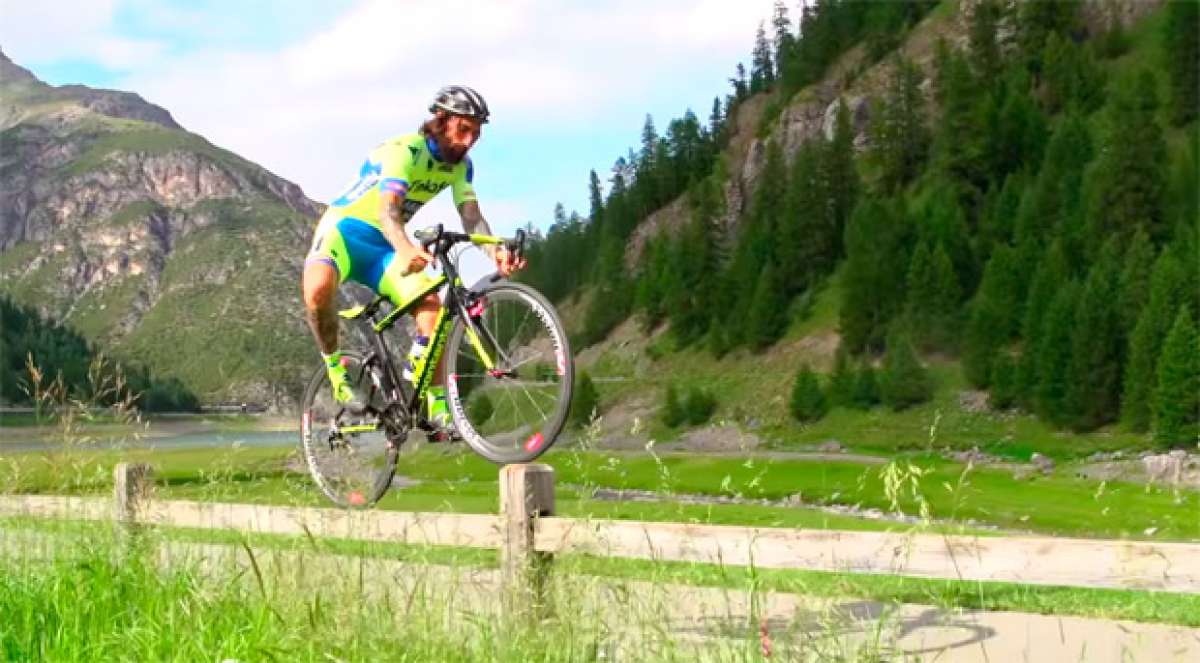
509, 376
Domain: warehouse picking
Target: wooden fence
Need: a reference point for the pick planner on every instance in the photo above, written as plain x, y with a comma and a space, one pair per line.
528, 534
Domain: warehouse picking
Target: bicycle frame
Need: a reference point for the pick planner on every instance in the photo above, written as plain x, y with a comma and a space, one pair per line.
458, 301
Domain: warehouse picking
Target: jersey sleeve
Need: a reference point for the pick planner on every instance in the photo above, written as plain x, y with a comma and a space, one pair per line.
464, 187
395, 175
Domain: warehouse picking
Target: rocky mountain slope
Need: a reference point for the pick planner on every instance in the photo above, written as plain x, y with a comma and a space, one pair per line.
151, 241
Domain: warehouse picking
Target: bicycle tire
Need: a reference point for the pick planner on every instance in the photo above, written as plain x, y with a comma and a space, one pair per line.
540, 441
354, 497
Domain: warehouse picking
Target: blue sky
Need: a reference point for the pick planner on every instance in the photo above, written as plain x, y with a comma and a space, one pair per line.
307, 88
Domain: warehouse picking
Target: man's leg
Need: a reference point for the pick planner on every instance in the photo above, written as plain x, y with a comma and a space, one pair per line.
320, 285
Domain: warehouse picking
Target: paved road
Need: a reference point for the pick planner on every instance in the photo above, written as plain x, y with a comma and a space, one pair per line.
638, 618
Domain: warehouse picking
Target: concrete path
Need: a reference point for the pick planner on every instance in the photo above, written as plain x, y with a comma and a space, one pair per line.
644, 621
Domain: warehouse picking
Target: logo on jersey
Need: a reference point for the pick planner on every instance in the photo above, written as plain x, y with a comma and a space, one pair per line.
427, 186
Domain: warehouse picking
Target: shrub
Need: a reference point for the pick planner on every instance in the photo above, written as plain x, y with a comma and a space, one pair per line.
808, 400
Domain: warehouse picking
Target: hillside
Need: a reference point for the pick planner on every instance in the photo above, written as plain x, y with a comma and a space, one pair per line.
965, 187
147, 239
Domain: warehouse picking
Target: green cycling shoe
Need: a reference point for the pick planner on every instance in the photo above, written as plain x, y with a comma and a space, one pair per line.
344, 392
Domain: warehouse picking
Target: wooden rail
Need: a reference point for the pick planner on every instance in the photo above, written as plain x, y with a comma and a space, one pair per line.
528, 535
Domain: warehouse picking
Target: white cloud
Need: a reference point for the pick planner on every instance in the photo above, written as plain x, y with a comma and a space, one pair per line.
310, 110
40, 32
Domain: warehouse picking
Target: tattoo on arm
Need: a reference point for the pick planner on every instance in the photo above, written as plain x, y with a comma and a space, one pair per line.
472, 218
391, 217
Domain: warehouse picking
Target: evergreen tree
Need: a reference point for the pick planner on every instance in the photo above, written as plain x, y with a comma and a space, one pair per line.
993, 316
1135, 280
1177, 393
873, 292
1128, 183
842, 380
981, 40
1097, 341
904, 382
957, 137
584, 400
866, 387
1070, 77
672, 413
1003, 394
784, 41
762, 71
899, 137
1168, 293
808, 402
806, 245
1181, 57
768, 314
841, 176
1037, 20
1054, 355
1017, 133
1056, 193
933, 298
596, 198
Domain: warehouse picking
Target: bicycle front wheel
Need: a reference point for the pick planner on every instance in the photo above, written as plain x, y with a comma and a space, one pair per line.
512, 410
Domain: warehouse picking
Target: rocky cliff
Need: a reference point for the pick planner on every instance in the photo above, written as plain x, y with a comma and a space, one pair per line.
154, 243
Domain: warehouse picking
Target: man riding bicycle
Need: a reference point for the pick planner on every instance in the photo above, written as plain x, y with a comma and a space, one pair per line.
361, 236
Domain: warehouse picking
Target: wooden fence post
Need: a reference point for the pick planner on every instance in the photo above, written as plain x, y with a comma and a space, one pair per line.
131, 491
526, 493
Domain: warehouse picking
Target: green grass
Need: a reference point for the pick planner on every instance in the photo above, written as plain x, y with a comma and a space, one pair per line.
462, 482
1142, 606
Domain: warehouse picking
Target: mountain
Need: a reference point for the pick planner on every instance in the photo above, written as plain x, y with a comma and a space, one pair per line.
1012, 191
156, 245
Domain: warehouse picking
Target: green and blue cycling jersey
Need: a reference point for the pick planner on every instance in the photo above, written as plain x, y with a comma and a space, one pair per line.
349, 236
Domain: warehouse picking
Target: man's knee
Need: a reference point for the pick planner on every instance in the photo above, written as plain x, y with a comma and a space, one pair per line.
319, 288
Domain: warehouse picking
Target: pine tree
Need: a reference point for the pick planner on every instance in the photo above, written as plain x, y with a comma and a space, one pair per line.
866, 387
672, 413
808, 402
1177, 393
956, 140
1135, 280
904, 382
1128, 183
1037, 20
842, 379
1054, 355
841, 176
1097, 342
784, 41
933, 298
762, 71
806, 245
584, 400
872, 292
1181, 57
1017, 133
768, 314
1056, 194
1070, 77
899, 136
993, 316
981, 40
1052, 271
1003, 394
1168, 293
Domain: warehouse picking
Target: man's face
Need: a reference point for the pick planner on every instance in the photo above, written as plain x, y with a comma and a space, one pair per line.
458, 136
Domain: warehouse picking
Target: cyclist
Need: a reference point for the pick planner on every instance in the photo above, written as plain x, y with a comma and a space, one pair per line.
361, 236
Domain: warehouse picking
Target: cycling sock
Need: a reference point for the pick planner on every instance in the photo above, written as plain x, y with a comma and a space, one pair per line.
332, 359
419, 347
436, 399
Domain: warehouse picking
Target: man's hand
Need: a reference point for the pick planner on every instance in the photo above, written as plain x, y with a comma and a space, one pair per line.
507, 262
412, 258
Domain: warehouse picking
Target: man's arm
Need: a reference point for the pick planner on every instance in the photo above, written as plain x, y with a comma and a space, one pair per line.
474, 223
391, 219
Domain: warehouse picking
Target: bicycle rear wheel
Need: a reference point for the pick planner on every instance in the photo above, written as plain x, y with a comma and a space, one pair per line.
349, 455
514, 411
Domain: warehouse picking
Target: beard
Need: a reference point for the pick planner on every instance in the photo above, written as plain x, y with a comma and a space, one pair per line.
450, 152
